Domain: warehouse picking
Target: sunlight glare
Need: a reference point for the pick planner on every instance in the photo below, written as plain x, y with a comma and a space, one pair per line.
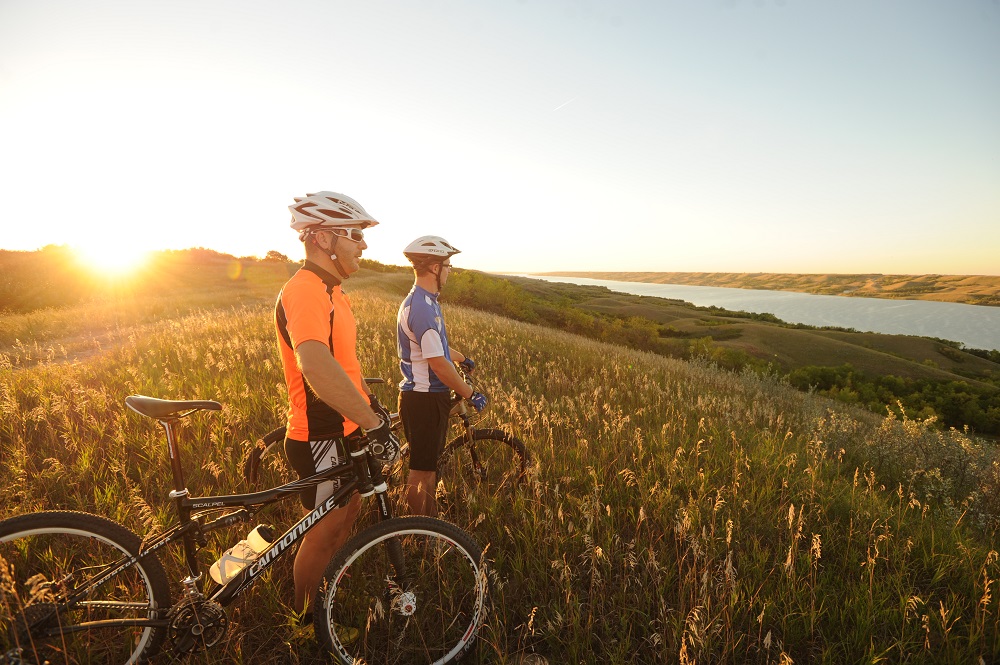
110, 258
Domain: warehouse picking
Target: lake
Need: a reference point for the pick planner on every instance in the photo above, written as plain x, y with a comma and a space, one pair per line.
975, 326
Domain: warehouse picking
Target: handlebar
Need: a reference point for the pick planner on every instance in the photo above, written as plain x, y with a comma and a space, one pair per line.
457, 404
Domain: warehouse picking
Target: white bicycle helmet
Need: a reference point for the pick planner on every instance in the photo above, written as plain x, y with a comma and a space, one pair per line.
426, 247
327, 209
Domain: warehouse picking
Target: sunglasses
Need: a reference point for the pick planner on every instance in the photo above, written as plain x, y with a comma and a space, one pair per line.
354, 235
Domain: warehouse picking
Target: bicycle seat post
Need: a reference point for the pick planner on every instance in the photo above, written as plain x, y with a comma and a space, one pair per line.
171, 427
180, 492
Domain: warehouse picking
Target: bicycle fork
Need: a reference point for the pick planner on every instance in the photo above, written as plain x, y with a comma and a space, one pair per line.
372, 481
478, 468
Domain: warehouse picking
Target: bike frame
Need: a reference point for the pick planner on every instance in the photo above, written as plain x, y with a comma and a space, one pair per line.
361, 473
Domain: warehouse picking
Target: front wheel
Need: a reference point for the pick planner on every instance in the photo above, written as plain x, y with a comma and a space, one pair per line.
68, 593
406, 590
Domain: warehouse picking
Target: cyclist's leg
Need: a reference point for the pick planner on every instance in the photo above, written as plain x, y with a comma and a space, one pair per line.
326, 537
421, 487
318, 547
425, 424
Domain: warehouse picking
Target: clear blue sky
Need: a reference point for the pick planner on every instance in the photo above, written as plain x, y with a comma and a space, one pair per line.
767, 135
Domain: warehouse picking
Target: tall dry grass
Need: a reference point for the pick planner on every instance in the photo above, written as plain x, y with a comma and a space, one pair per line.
676, 513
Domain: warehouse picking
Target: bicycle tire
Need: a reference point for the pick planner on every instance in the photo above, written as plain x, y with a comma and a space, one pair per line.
366, 610
499, 465
255, 454
68, 548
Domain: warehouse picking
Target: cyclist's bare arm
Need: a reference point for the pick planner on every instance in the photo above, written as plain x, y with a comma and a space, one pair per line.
456, 356
445, 370
332, 385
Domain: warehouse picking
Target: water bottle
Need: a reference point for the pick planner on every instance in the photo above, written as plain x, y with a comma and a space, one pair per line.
242, 554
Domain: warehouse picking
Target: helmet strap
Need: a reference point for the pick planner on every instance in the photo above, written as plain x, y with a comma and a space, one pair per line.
333, 256
340, 268
336, 261
437, 277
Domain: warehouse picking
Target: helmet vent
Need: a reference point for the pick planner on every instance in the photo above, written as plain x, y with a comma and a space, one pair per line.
304, 209
334, 213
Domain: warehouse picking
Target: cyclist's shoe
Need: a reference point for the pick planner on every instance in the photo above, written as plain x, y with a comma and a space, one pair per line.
302, 629
305, 630
347, 634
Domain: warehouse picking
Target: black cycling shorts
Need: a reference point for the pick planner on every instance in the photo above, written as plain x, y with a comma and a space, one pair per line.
425, 424
309, 458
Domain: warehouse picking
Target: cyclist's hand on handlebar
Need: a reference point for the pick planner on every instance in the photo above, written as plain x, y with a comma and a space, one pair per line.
478, 401
383, 442
468, 365
377, 407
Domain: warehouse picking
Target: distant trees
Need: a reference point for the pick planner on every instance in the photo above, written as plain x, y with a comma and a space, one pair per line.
274, 255
989, 354
369, 264
485, 292
953, 403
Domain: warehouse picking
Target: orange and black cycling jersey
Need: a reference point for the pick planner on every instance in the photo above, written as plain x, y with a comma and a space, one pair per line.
311, 306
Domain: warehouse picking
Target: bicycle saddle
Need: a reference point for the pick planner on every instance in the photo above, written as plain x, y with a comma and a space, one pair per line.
168, 408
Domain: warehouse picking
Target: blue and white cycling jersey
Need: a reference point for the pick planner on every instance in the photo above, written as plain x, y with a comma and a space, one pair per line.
420, 335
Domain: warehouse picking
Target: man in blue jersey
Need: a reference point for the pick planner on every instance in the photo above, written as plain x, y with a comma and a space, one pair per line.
429, 376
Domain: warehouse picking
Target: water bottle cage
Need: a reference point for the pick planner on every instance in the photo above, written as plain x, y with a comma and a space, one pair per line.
235, 559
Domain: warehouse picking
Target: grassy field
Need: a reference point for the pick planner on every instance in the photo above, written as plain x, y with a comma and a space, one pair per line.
969, 289
676, 512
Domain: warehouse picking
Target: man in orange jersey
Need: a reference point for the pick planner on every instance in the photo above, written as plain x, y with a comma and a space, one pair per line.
326, 393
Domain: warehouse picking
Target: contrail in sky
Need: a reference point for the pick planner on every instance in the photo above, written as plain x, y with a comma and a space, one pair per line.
564, 104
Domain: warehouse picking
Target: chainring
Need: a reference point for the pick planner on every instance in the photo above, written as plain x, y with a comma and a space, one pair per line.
196, 625
31, 619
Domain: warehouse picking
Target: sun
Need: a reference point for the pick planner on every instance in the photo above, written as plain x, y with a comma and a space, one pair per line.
110, 259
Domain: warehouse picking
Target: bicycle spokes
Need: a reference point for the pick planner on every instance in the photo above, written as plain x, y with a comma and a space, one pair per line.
428, 612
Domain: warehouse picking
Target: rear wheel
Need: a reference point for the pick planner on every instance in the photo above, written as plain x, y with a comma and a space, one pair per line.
253, 459
53, 606
406, 590
495, 460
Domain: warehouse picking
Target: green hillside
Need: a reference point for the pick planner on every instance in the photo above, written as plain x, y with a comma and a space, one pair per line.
677, 512
935, 379
792, 347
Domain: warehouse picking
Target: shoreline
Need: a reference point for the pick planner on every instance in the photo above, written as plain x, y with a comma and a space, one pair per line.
963, 289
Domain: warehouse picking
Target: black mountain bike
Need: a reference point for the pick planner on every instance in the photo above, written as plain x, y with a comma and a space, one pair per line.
79, 588
496, 459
